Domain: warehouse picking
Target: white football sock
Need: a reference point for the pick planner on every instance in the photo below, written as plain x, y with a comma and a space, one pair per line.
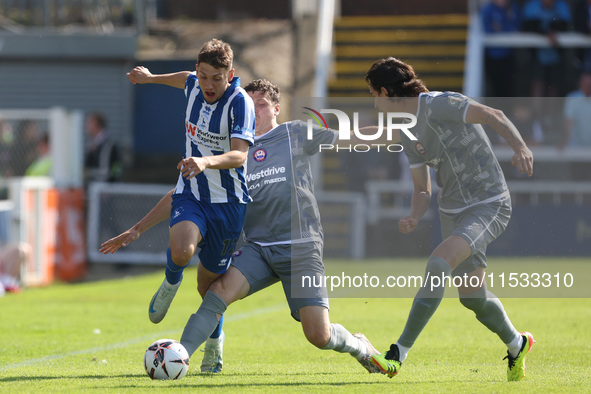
515, 345
403, 351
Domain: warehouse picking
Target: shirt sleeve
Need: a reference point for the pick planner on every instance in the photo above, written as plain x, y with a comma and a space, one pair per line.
190, 83
242, 119
410, 150
315, 137
451, 107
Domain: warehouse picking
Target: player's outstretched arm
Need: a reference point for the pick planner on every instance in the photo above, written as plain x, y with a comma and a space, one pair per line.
160, 212
523, 159
141, 75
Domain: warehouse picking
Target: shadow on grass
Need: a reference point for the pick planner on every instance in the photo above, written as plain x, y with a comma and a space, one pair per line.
34, 378
208, 381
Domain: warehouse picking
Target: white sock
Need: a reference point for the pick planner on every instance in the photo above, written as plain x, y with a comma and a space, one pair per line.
403, 350
212, 341
343, 341
515, 345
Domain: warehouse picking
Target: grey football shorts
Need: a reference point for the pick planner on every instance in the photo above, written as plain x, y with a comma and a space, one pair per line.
479, 225
291, 265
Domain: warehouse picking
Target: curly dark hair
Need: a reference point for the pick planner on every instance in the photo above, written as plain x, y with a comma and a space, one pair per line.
267, 87
217, 54
399, 78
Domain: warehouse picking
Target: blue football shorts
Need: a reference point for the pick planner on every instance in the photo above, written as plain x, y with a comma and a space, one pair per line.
220, 225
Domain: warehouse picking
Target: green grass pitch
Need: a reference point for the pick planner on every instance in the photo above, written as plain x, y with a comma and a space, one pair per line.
92, 337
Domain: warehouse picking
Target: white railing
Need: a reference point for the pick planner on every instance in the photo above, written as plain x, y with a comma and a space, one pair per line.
390, 199
399, 192
115, 207
66, 136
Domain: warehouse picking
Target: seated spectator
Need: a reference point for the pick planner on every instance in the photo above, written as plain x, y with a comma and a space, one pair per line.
582, 24
577, 115
27, 134
529, 127
42, 164
547, 17
500, 16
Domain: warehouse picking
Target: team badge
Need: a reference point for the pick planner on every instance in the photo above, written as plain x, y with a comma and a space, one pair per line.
420, 148
260, 155
237, 253
455, 101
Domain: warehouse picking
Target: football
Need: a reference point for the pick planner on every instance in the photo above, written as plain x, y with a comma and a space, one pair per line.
166, 359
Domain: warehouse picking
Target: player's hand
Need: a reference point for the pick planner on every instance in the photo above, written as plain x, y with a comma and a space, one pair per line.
407, 224
123, 239
523, 160
139, 74
191, 166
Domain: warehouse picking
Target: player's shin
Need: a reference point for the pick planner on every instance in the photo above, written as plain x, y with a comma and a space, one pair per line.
426, 301
173, 272
218, 330
342, 341
202, 323
490, 312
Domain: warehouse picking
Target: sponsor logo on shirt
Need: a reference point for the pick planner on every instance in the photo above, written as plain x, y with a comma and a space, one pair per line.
272, 171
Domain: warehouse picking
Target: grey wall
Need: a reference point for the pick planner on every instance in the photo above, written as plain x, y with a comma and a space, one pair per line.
78, 72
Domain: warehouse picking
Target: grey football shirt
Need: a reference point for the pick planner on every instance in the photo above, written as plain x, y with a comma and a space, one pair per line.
467, 171
279, 180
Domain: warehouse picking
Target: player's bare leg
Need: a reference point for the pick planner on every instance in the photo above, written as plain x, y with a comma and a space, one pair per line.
184, 238
324, 335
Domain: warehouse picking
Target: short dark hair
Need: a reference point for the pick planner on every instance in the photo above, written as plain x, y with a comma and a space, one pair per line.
399, 78
267, 87
217, 54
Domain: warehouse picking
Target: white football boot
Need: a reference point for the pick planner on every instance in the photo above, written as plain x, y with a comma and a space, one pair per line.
162, 300
365, 357
212, 359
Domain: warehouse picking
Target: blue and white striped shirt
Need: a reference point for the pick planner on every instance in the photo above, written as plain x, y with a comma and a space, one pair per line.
209, 129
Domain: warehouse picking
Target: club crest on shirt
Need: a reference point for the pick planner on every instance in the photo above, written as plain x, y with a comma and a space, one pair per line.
260, 155
237, 253
455, 101
420, 148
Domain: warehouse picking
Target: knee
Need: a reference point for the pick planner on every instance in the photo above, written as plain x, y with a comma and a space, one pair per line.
181, 255
317, 335
217, 287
